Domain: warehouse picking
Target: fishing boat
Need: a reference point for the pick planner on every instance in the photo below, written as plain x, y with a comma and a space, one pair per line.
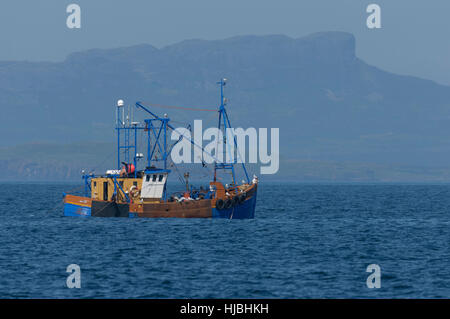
130, 191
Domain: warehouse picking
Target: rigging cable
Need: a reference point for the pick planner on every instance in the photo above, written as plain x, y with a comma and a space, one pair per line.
181, 107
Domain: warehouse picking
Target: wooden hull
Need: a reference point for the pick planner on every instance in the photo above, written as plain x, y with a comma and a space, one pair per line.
205, 208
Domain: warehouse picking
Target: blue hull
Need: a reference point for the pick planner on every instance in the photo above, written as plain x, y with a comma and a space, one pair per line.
241, 211
76, 210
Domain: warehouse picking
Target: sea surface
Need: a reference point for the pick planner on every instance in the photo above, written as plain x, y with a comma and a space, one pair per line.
307, 241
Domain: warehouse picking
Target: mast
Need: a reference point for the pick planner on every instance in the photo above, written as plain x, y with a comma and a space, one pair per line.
225, 122
124, 143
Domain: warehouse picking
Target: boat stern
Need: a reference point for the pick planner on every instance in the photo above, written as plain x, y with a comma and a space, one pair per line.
77, 206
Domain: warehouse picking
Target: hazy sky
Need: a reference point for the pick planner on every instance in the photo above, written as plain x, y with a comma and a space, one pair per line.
414, 38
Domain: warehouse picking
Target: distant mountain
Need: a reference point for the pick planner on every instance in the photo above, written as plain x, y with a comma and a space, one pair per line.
330, 105
64, 162
44, 161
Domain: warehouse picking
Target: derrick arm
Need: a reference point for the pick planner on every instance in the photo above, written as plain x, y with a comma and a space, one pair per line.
139, 105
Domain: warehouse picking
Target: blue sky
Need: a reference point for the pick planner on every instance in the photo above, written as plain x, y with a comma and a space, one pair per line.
413, 39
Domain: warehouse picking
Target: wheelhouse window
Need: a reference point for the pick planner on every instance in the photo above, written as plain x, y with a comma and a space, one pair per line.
154, 178
160, 178
147, 178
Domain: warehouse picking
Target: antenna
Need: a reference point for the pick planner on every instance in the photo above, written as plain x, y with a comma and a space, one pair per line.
186, 177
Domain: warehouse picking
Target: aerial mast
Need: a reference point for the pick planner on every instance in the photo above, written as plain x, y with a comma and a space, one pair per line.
225, 121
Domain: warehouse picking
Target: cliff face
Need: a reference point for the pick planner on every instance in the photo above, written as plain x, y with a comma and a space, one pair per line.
328, 104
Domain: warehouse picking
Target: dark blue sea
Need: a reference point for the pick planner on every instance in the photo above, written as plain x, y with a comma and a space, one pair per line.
307, 241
